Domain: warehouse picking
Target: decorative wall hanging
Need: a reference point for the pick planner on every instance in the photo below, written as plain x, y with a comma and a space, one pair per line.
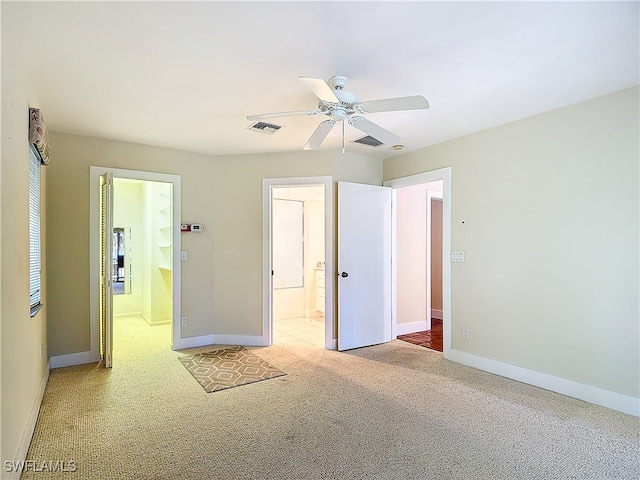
38, 135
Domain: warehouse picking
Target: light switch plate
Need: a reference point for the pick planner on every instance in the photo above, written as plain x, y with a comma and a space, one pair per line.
457, 256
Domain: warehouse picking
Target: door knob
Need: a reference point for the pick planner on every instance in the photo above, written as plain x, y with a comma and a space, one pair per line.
344, 274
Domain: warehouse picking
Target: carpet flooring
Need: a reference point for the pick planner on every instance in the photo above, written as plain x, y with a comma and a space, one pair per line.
227, 368
391, 411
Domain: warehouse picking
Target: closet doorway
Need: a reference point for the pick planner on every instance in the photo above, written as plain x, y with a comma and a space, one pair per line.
143, 304
142, 261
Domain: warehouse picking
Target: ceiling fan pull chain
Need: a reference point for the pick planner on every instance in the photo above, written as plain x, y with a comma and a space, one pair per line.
343, 136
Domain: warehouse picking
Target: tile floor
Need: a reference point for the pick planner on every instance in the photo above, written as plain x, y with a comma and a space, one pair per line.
299, 332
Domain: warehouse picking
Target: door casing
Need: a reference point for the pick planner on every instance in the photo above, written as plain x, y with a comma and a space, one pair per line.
94, 249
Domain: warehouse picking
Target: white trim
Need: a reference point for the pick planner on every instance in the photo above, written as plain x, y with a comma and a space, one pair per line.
411, 327
130, 314
204, 340
435, 313
268, 184
443, 174
70, 359
394, 270
605, 398
29, 428
94, 257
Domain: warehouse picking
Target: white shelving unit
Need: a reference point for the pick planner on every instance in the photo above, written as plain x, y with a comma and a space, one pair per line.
320, 290
165, 230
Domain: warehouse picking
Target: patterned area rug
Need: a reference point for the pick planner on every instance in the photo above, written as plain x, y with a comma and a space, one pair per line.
227, 368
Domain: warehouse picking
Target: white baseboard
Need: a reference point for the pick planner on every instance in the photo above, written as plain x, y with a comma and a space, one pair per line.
435, 313
72, 359
130, 314
153, 323
605, 398
411, 327
200, 341
27, 434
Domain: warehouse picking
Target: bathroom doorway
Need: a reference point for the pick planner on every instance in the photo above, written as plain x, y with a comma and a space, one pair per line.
295, 247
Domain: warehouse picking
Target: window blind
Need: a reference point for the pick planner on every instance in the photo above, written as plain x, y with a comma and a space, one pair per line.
35, 263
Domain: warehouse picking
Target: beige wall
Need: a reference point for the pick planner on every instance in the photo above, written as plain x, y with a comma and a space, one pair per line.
546, 210
222, 280
23, 368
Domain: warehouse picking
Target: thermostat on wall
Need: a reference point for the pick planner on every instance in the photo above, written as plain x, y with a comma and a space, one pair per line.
191, 227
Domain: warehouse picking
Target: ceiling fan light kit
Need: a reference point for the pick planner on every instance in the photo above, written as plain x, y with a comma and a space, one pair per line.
341, 105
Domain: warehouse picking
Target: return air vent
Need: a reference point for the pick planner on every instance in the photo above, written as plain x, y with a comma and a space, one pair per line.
264, 127
369, 141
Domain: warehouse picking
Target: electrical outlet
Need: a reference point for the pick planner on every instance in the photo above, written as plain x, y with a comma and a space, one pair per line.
465, 333
184, 321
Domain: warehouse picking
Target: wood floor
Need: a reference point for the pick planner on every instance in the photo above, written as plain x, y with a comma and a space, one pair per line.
429, 338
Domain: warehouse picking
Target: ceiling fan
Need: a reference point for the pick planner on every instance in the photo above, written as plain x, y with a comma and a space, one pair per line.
339, 105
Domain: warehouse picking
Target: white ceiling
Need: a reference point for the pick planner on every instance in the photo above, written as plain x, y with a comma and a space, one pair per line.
186, 74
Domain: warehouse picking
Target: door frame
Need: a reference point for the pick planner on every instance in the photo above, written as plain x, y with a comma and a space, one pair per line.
94, 249
268, 184
443, 174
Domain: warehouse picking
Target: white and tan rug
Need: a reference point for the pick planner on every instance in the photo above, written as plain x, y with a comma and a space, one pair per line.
227, 368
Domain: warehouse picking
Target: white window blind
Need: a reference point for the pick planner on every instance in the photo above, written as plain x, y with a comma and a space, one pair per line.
35, 262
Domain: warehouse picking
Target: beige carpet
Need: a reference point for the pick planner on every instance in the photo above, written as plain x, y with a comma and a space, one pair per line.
227, 368
393, 411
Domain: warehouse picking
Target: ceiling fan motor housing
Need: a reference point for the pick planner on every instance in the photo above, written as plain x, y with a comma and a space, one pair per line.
347, 100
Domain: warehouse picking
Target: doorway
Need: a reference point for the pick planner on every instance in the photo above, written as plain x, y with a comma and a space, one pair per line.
297, 239
417, 316
148, 221
297, 251
142, 300
419, 264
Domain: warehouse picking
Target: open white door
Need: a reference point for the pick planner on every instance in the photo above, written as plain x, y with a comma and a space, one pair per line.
106, 268
364, 265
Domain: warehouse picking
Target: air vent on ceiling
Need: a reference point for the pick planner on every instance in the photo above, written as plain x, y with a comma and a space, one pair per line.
264, 127
369, 141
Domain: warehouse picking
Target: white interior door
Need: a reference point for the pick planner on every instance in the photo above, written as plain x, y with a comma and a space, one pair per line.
364, 265
106, 268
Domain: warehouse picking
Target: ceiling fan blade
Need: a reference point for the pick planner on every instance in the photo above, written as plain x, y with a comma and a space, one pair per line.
416, 102
319, 134
375, 130
263, 116
320, 89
